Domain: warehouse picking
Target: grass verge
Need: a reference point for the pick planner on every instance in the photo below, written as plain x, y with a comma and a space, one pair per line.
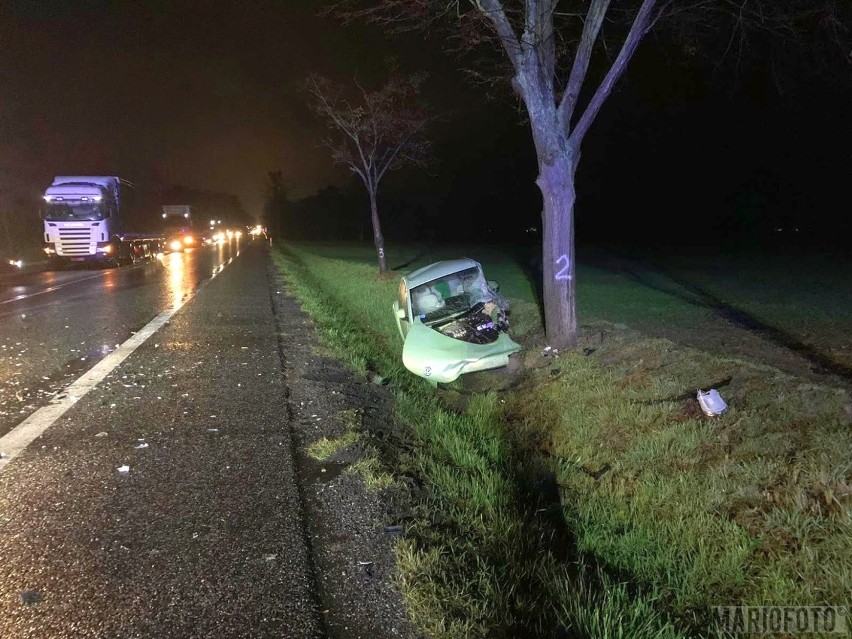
749, 508
481, 559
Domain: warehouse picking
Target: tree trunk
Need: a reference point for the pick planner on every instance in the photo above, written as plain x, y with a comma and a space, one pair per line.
378, 240
556, 182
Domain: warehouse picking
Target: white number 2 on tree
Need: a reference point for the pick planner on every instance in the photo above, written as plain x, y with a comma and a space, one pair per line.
562, 273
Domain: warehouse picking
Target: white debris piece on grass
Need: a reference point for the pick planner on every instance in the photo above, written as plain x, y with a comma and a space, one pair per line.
212, 430
142, 445
123, 469
711, 402
103, 433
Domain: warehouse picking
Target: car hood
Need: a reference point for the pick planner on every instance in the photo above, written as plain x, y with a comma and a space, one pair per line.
440, 358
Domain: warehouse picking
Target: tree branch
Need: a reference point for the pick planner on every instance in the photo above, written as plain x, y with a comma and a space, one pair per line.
582, 58
631, 42
493, 10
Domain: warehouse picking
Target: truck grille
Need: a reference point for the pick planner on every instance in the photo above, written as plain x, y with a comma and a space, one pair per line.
76, 242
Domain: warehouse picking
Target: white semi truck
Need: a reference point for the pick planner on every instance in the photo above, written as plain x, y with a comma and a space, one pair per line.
84, 222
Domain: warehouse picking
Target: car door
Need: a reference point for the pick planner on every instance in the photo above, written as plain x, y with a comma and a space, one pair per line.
403, 318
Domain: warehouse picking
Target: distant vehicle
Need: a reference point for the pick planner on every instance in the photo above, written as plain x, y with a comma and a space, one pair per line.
10, 264
84, 222
177, 227
452, 321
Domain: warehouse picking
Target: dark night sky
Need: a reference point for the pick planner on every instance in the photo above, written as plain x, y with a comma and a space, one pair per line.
208, 94
201, 93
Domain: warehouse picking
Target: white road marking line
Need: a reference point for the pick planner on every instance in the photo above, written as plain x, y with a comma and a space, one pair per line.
16, 440
50, 289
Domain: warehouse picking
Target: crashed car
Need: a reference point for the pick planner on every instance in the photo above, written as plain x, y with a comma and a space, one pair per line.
452, 321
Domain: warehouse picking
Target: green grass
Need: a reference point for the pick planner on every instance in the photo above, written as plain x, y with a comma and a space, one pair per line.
324, 448
371, 471
751, 507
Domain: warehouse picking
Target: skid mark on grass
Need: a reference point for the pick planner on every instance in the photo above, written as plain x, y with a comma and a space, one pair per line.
820, 363
775, 346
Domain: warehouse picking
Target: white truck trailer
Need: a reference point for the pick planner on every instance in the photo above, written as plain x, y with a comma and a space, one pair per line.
84, 222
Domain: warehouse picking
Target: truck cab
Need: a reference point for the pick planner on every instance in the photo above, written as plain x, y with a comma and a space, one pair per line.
82, 218
177, 227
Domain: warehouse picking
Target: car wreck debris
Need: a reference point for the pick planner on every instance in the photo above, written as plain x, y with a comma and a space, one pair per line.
711, 402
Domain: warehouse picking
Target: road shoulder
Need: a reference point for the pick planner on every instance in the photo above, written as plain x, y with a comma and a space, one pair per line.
354, 518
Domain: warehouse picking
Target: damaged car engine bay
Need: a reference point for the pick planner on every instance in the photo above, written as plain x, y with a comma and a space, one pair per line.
462, 306
477, 326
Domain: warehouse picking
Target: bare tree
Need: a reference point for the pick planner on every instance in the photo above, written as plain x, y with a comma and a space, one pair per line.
384, 130
550, 47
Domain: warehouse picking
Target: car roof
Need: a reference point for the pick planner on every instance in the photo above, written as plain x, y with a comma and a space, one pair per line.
439, 269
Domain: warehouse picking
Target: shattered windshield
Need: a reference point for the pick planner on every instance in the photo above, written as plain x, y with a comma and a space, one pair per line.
63, 212
450, 295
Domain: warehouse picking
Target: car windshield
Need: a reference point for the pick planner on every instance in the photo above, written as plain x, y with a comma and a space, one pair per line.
449, 296
64, 212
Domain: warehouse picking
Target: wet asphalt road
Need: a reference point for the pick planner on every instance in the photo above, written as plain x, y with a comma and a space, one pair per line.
203, 536
55, 325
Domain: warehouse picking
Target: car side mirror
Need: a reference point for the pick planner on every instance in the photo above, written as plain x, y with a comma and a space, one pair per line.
400, 313
494, 285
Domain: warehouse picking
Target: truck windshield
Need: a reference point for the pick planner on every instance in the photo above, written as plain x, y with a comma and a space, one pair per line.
64, 212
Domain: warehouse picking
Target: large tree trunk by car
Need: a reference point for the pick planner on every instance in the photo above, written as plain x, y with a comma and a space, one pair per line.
556, 182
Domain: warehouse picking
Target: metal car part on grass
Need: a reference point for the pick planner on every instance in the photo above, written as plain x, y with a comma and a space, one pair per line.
451, 321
